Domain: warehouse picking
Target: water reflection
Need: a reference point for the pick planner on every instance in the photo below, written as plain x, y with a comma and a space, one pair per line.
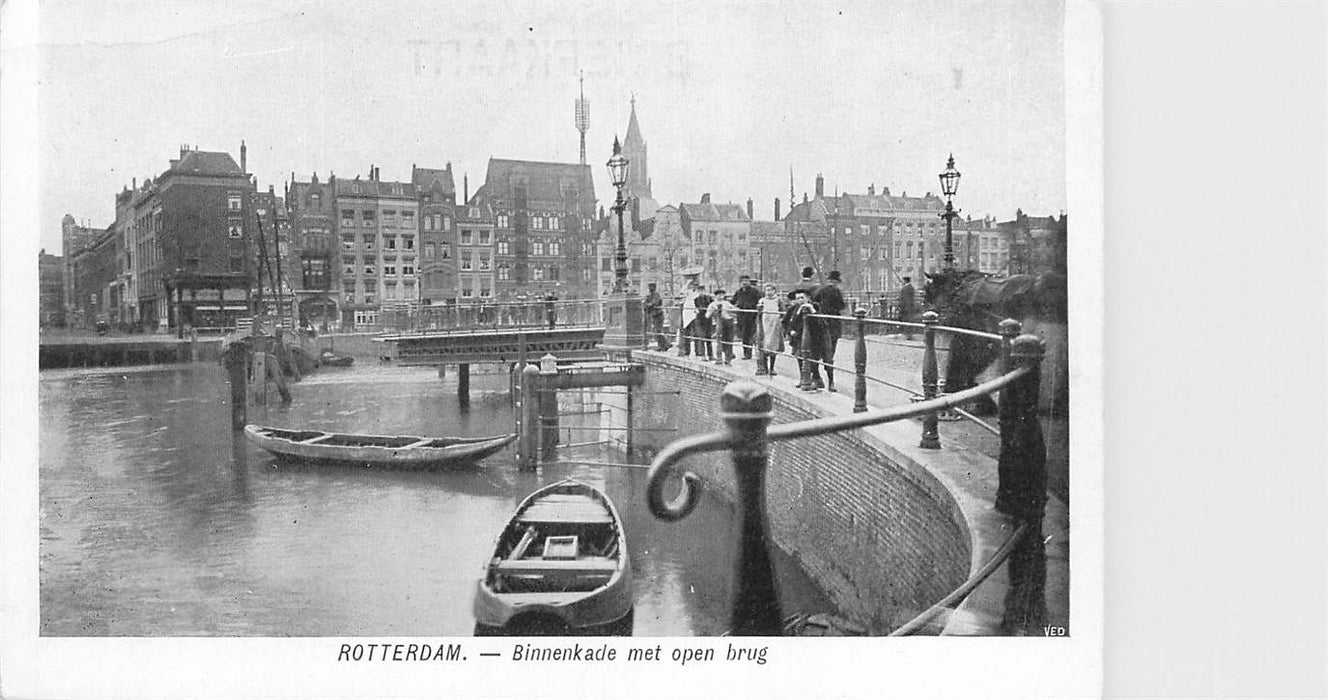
155, 521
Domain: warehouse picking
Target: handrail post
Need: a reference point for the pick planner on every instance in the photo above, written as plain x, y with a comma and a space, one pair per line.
860, 363
931, 436
761, 369
746, 409
1022, 466
1009, 329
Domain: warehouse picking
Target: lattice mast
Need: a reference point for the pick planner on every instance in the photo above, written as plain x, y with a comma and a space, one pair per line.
583, 117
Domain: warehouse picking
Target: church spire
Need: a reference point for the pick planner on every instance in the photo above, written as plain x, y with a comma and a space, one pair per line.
634, 147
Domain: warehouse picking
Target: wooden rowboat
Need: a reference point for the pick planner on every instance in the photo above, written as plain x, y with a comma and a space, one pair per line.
332, 359
559, 567
374, 450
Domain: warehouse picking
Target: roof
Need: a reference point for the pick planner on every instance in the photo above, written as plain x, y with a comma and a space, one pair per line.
714, 212
544, 181
373, 188
205, 163
633, 129
426, 179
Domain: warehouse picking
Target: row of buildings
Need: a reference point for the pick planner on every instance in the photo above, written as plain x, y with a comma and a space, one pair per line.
203, 245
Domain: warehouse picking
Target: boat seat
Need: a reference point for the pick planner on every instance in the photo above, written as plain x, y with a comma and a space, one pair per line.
585, 565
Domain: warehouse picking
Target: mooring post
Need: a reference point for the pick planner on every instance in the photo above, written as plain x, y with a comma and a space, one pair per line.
527, 445
236, 362
548, 406
1009, 329
627, 421
761, 368
860, 363
746, 409
463, 384
258, 378
931, 436
1022, 465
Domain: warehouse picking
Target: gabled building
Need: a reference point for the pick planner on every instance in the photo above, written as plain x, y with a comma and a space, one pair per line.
315, 279
543, 227
437, 270
377, 227
718, 238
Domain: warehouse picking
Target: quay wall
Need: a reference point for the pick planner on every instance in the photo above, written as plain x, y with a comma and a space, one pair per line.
878, 531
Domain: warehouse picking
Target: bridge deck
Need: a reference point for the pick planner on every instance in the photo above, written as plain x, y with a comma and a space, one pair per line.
503, 345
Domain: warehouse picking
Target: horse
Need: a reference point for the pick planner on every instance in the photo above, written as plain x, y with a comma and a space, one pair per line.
977, 301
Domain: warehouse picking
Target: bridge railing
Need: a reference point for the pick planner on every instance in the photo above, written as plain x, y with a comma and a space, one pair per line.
746, 407
500, 315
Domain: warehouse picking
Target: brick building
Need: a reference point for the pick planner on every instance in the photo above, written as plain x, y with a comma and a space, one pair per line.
50, 290
437, 271
377, 227
544, 237
717, 237
314, 279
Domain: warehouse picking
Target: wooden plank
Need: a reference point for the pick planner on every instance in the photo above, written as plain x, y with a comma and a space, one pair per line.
589, 565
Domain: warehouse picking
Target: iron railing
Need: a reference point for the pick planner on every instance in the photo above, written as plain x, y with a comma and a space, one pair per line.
746, 408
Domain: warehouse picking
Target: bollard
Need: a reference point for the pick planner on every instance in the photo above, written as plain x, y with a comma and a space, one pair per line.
931, 437
527, 446
761, 369
746, 409
860, 363
1022, 466
547, 399
258, 378
236, 362
463, 385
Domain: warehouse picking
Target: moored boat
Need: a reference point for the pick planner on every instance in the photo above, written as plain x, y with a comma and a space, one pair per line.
332, 359
404, 451
560, 566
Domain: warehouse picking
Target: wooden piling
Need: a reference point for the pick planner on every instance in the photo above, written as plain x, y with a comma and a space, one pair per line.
463, 385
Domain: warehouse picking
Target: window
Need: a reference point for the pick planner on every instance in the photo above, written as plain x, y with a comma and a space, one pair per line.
553, 272
428, 222
235, 229
865, 253
538, 248
485, 290
408, 269
429, 250
447, 223
348, 286
485, 262
390, 270
473, 212
369, 270
537, 273
728, 238
390, 242
466, 236
712, 238
408, 242
553, 222
445, 251
234, 202
408, 219
348, 242
368, 216
486, 237
502, 248
897, 249
585, 224
465, 261
537, 222
848, 230
389, 217
882, 252
390, 291
368, 241
315, 273
348, 265
742, 236
504, 271
909, 251
502, 221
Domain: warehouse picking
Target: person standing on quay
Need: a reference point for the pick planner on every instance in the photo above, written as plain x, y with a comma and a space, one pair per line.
721, 313
907, 305
654, 308
745, 299
772, 328
703, 324
551, 309
687, 328
830, 301
801, 316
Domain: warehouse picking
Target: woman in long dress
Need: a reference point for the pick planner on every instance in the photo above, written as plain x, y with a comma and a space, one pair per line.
772, 327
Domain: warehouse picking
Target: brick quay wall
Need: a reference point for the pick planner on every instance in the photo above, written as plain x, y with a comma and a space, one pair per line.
878, 532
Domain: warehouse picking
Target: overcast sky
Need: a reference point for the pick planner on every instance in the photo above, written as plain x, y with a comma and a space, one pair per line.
729, 97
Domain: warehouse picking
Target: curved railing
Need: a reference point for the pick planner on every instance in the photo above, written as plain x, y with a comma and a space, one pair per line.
746, 408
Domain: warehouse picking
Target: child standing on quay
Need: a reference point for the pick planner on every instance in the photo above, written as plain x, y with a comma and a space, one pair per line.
770, 315
723, 314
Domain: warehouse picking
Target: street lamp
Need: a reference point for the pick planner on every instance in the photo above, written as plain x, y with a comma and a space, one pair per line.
618, 176
949, 185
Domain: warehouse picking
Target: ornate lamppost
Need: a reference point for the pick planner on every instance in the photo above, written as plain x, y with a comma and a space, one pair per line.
618, 176
949, 185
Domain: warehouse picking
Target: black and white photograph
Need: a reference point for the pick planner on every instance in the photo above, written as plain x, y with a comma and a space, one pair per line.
483, 344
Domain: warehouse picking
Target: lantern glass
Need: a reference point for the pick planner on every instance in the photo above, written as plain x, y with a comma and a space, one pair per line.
950, 179
618, 169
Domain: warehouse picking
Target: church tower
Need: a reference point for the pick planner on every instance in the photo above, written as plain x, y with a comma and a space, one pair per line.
634, 147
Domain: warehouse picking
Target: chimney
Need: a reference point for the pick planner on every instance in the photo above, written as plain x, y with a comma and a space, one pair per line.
820, 186
871, 189
749, 208
465, 183
244, 157
705, 198
135, 181
776, 208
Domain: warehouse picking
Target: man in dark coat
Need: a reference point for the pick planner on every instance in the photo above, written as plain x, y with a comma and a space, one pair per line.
746, 299
830, 301
654, 308
907, 305
798, 318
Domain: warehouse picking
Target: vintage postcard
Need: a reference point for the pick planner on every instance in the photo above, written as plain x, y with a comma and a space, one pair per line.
551, 349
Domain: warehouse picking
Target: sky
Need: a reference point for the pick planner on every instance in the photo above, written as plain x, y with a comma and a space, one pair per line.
729, 97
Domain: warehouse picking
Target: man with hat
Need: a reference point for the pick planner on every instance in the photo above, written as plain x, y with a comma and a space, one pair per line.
745, 299
907, 305
830, 301
654, 308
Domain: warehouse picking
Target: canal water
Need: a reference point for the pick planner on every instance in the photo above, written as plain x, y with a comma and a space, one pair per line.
154, 521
